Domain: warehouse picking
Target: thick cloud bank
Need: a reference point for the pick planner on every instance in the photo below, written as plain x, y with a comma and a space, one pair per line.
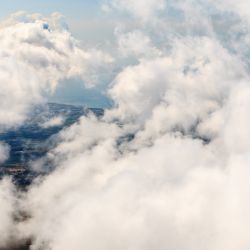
168, 166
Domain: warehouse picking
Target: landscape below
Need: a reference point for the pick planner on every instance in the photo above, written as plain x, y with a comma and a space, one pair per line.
29, 142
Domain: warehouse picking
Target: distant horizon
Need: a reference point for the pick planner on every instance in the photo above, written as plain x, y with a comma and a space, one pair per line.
78, 105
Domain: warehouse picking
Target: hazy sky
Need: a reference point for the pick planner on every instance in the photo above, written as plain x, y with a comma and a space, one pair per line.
76, 8
85, 17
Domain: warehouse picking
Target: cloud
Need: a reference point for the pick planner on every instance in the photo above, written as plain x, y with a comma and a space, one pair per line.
4, 152
36, 54
7, 210
144, 10
167, 166
137, 44
53, 122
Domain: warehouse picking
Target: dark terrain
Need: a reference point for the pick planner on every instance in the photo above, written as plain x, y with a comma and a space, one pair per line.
28, 142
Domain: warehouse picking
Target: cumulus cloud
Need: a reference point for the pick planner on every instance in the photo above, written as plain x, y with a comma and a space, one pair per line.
53, 122
136, 44
36, 54
167, 167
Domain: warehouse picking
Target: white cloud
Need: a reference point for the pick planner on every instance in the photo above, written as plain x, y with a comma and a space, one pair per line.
142, 9
7, 212
53, 122
137, 44
180, 179
36, 54
164, 189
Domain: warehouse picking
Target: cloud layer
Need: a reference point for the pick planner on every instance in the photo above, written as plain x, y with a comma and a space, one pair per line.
167, 167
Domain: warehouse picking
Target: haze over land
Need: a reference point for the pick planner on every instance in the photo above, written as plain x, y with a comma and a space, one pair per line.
167, 164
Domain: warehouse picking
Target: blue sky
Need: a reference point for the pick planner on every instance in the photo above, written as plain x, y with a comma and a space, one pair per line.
75, 8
